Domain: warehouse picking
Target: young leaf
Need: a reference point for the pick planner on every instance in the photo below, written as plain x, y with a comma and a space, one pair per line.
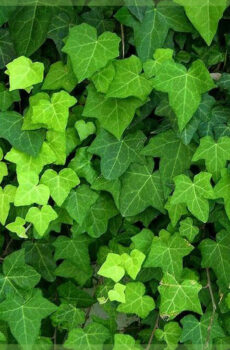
117, 293
188, 230
113, 267
41, 218
59, 77
18, 227
7, 196
222, 190
171, 335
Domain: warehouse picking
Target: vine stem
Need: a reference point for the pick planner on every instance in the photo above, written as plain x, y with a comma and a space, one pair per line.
209, 285
123, 40
153, 332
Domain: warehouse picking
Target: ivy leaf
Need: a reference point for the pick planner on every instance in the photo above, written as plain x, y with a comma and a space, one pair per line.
7, 98
11, 130
75, 250
7, 52
184, 87
30, 192
71, 294
18, 227
194, 194
132, 262
143, 240
17, 275
24, 316
175, 211
222, 190
204, 15
171, 335
175, 157
124, 342
173, 292
146, 189
40, 255
114, 114
57, 141
215, 154
60, 184
188, 230
111, 186
68, 317
23, 73
84, 129
59, 77
82, 165
117, 293
128, 80
116, 156
92, 337
160, 55
41, 218
198, 331
7, 196
215, 254
167, 252
103, 78
89, 53
113, 267
29, 26
53, 114
135, 300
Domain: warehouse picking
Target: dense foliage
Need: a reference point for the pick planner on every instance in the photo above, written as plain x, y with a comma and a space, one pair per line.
115, 181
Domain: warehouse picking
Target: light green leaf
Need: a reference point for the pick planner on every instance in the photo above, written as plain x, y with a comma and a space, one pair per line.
128, 80
114, 114
18, 227
60, 184
188, 230
194, 194
89, 53
57, 142
91, 337
124, 342
175, 211
184, 87
160, 56
135, 300
113, 267
143, 240
116, 156
222, 190
173, 292
16, 275
84, 129
117, 293
198, 331
132, 262
23, 73
41, 218
103, 78
141, 188
7, 196
59, 77
215, 154
216, 254
3, 171
24, 316
68, 317
30, 192
204, 15
171, 335
167, 252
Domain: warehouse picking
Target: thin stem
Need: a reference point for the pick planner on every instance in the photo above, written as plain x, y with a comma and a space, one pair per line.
153, 332
213, 309
123, 40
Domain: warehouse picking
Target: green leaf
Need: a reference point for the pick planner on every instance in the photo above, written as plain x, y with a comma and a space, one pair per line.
103, 78
116, 156
30, 192
84, 129
79, 202
68, 317
59, 77
41, 218
171, 335
143, 240
117, 293
160, 56
17, 275
114, 114
7, 196
82, 165
89, 53
173, 292
222, 190
215, 254
175, 211
128, 80
215, 154
175, 157
132, 262
7, 98
24, 316
29, 26
188, 230
60, 184
92, 337
184, 87
111, 186
11, 130
70, 294
167, 252
198, 331
23, 73
113, 267
18, 227
124, 342
135, 300
146, 189
194, 194
204, 15
7, 52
